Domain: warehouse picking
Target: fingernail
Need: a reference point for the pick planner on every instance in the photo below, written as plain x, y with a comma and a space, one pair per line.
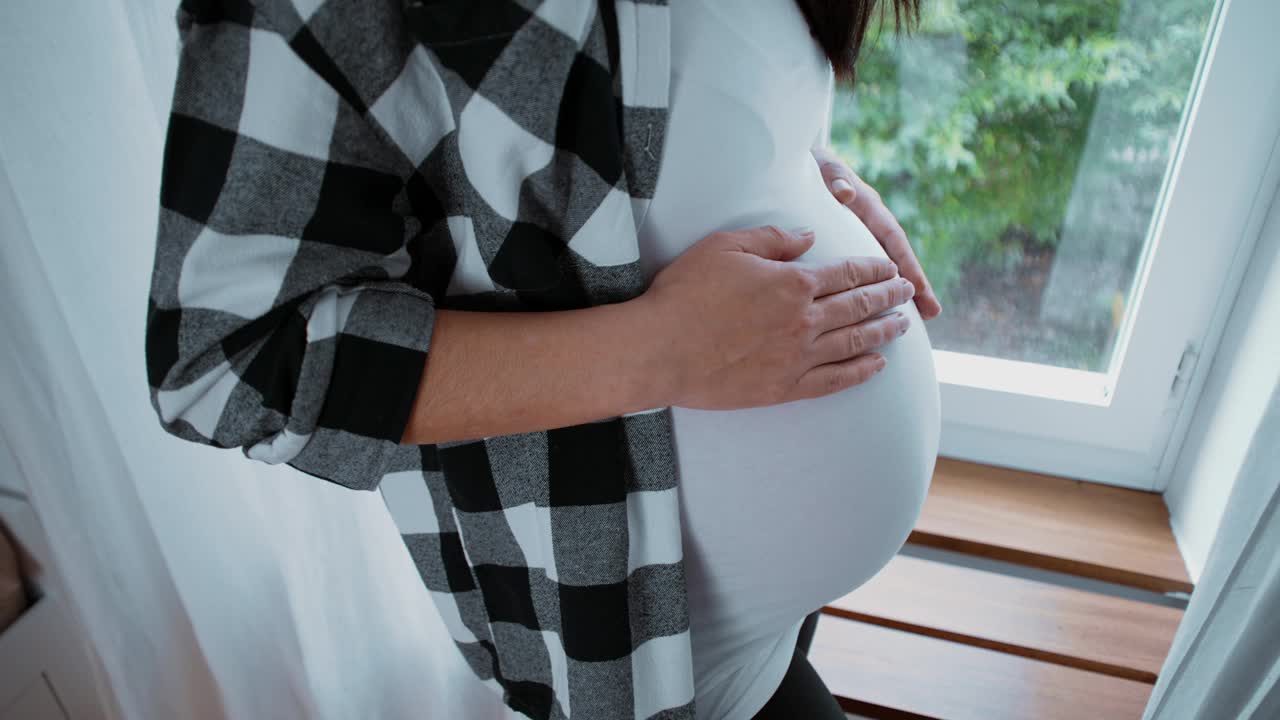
880, 364
840, 185
907, 284
801, 231
893, 268
903, 323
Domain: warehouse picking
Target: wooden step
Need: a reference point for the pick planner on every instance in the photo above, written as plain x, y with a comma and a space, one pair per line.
1090, 631
1086, 529
879, 672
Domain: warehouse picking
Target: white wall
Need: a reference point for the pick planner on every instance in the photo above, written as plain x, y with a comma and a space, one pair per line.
1245, 372
210, 587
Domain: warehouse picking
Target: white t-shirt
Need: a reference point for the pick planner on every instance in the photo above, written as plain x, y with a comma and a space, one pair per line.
784, 508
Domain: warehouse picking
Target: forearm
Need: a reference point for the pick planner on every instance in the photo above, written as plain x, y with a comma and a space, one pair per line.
500, 373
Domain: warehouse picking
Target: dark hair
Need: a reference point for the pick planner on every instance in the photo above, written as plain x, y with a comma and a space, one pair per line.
840, 25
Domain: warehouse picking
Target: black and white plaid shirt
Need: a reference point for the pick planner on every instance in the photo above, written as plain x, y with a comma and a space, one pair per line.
337, 169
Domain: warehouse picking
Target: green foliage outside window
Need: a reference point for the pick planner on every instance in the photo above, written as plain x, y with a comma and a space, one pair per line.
977, 126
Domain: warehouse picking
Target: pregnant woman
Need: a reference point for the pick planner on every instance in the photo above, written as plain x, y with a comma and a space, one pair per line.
469, 254
788, 506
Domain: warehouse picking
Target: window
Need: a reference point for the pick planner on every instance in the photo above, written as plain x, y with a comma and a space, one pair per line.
1043, 158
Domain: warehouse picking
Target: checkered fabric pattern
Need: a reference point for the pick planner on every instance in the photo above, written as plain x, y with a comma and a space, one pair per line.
334, 171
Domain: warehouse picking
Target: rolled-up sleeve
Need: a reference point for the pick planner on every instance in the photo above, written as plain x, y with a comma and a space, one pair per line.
279, 318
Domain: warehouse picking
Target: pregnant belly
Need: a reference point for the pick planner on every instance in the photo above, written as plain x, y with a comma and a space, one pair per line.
790, 506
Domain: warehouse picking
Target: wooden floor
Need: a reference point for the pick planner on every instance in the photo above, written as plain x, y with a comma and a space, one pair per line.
927, 639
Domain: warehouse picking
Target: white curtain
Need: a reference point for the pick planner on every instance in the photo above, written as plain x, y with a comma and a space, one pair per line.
1225, 659
209, 586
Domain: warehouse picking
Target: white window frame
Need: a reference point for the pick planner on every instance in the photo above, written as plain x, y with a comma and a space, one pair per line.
1123, 426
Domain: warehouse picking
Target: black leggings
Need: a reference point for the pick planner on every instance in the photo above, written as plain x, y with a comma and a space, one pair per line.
802, 694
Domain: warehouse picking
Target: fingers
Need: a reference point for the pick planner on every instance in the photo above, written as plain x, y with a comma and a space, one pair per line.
834, 377
854, 306
837, 175
899, 250
884, 226
842, 190
851, 272
928, 304
854, 340
840, 181
771, 242
926, 301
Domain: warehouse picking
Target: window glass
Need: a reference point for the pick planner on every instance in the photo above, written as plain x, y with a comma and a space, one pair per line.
1024, 148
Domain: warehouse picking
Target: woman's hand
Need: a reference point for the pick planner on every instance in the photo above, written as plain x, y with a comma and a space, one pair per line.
854, 193
743, 327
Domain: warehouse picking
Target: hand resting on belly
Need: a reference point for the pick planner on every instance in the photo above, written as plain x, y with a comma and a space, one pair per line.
749, 328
